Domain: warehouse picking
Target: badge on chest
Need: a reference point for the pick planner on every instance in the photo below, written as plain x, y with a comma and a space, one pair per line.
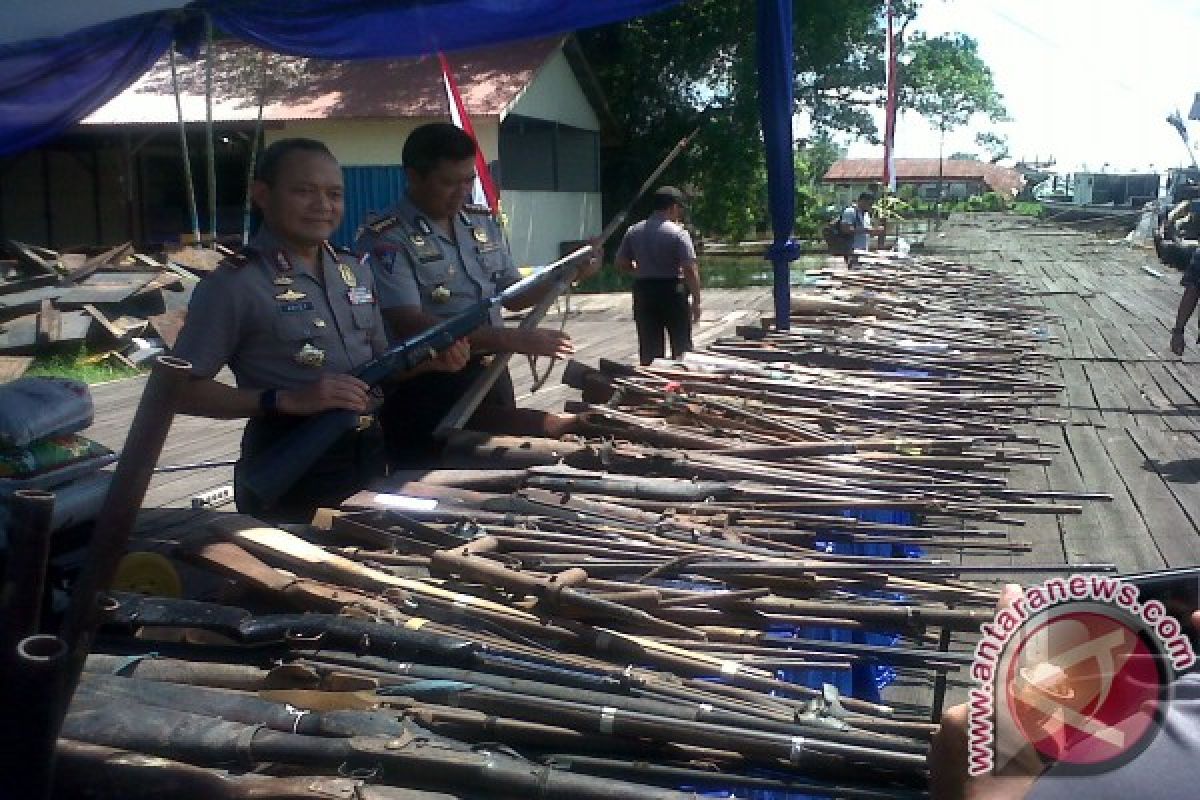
360, 295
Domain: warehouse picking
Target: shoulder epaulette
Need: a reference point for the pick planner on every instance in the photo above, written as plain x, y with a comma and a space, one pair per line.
383, 224
239, 259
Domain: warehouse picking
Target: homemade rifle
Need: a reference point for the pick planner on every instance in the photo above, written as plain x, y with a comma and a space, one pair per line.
272, 472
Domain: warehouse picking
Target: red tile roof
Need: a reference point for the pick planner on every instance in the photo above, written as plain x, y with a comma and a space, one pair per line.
491, 80
870, 170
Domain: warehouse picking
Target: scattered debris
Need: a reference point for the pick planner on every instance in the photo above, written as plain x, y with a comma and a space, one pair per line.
52, 302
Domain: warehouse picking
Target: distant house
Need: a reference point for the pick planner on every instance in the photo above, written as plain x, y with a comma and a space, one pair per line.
535, 105
960, 178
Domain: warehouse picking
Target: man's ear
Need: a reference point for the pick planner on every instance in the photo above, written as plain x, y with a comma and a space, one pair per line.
259, 193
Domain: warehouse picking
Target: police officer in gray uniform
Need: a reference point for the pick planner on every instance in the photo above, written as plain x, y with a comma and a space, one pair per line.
660, 255
292, 317
434, 256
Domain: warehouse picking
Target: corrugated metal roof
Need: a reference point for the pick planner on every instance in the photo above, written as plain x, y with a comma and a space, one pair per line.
491, 79
870, 170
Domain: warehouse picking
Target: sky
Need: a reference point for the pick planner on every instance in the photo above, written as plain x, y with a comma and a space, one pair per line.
1087, 82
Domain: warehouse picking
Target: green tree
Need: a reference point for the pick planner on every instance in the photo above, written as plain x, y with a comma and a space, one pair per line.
945, 80
996, 144
664, 74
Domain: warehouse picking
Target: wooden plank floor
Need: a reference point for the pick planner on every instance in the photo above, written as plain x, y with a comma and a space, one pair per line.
601, 326
1130, 406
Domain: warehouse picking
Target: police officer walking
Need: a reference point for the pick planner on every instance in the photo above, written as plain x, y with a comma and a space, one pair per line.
659, 253
292, 317
434, 256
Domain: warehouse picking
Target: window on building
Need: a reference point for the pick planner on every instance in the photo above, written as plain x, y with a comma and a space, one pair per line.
538, 155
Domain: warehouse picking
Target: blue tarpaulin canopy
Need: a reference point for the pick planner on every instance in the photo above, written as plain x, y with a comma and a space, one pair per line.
48, 84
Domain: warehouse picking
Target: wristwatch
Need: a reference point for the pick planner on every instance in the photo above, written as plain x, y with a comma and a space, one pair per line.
268, 402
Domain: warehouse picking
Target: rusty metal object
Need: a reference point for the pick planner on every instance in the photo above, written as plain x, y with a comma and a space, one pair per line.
110, 537
25, 573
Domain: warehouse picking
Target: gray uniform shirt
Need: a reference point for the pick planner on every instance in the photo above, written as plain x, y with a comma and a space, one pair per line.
272, 322
659, 247
418, 265
1166, 769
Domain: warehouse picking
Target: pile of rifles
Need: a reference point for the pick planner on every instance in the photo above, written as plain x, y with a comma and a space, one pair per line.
657, 607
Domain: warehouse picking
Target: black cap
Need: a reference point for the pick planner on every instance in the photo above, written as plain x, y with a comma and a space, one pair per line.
664, 193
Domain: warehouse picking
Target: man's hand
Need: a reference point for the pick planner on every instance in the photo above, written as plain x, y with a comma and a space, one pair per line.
948, 753
324, 394
695, 310
1177, 342
539, 342
453, 358
593, 264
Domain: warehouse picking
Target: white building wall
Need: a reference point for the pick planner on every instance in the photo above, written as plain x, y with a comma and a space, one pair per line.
555, 94
537, 222
364, 143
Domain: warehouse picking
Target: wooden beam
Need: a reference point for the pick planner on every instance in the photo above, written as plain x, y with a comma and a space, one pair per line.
49, 323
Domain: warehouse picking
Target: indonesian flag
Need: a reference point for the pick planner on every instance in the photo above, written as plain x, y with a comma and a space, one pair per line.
889, 126
484, 193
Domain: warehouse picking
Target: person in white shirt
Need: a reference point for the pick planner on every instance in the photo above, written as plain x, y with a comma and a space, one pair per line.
856, 222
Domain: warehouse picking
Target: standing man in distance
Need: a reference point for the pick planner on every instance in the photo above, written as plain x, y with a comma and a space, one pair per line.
660, 255
1187, 304
434, 256
292, 317
856, 222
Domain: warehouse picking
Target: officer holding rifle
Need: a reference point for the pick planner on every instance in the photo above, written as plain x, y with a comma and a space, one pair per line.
292, 317
434, 255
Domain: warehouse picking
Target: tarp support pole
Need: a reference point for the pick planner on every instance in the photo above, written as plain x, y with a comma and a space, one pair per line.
253, 160
773, 45
208, 128
183, 148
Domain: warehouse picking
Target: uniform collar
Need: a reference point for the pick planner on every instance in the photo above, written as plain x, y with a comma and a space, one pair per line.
419, 221
273, 251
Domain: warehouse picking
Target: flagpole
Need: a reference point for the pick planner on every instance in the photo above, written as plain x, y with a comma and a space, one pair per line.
889, 126
485, 187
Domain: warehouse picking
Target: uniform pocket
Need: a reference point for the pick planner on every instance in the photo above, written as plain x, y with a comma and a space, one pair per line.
299, 328
364, 316
433, 274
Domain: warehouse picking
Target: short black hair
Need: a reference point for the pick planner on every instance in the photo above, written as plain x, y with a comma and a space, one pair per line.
665, 197
434, 142
870, 198
267, 167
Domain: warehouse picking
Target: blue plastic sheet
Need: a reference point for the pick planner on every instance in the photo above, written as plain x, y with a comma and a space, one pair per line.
48, 85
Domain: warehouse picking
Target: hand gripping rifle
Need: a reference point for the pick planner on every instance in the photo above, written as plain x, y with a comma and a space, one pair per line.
272, 472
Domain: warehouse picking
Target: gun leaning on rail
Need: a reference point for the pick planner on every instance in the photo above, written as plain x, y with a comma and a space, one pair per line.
272, 472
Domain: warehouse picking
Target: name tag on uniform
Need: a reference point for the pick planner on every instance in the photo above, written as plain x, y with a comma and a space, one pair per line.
360, 295
290, 308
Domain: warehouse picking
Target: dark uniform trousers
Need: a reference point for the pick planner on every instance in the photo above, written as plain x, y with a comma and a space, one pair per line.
413, 408
354, 461
661, 304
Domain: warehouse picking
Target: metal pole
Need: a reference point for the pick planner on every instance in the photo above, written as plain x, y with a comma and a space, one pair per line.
25, 573
110, 536
183, 147
30, 726
262, 99
208, 130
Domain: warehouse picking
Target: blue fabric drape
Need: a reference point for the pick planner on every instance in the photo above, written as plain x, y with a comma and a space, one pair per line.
774, 52
351, 29
48, 85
